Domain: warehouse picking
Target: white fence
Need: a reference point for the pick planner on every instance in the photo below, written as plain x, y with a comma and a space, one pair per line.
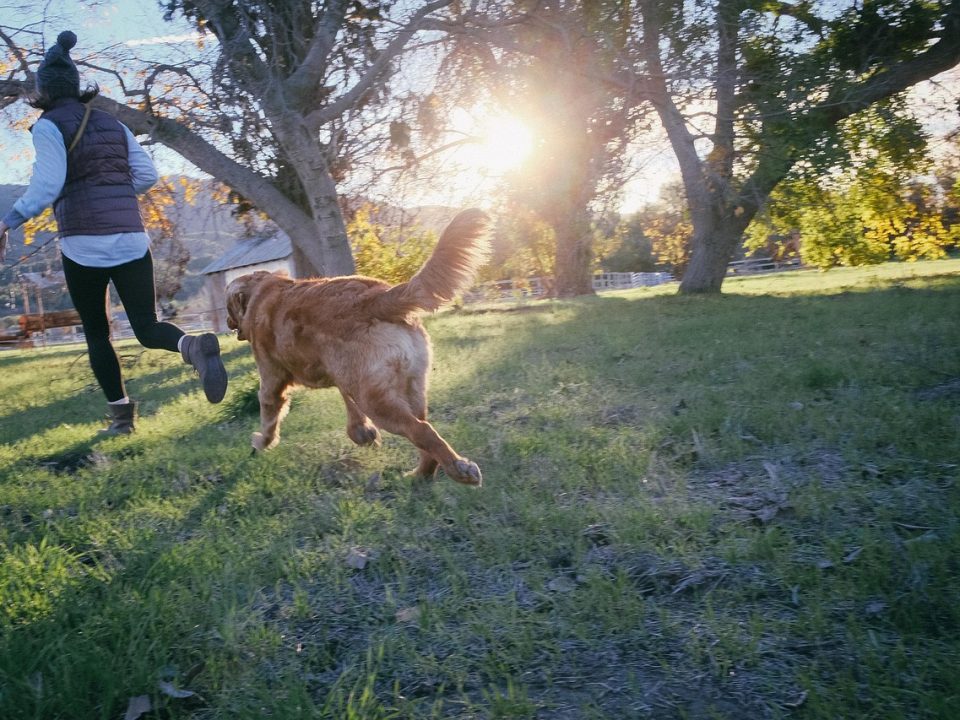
119, 329
540, 287
755, 266
623, 280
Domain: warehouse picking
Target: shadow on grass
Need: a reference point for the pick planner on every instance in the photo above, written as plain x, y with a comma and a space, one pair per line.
568, 578
86, 403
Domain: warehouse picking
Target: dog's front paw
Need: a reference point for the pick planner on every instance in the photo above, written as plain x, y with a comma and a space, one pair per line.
466, 472
261, 443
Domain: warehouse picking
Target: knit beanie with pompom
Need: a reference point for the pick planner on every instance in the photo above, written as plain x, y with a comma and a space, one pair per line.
57, 76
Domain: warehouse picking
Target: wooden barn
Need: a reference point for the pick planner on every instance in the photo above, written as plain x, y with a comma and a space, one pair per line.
270, 253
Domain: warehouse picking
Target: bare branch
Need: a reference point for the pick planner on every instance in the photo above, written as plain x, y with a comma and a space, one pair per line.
17, 52
311, 70
377, 69
235, 41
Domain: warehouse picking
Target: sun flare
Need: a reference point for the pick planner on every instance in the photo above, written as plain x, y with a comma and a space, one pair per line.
499, 142
506, 143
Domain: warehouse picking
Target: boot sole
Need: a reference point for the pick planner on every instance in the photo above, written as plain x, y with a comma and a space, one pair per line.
113, 433
215, 374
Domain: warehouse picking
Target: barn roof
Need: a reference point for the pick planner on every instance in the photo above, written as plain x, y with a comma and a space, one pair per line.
252, 251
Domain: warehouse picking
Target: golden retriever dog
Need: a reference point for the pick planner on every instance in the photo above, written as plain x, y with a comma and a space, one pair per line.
362, 336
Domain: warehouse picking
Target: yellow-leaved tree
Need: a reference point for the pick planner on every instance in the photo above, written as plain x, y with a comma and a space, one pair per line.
387, 253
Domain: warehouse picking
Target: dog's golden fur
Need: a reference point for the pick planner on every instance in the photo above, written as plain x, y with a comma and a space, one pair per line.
362, 336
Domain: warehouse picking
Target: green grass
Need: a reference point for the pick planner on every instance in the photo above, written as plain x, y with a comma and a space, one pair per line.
694, 507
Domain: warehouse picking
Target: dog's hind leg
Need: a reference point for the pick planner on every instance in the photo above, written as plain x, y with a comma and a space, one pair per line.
359, 427
417, 399
427, 467
394, 415
274, 404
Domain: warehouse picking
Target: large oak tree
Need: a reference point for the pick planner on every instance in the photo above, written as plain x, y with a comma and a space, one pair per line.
544, 62
747, 89
269, 102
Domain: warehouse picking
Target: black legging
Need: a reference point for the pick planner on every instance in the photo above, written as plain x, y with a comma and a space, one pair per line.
135, 286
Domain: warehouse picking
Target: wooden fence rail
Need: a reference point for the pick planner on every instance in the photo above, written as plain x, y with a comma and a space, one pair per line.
753, 266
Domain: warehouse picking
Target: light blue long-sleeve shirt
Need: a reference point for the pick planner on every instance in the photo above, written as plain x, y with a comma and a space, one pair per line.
46, 184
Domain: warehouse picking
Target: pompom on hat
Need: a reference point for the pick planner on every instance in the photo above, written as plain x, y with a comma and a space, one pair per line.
57, 76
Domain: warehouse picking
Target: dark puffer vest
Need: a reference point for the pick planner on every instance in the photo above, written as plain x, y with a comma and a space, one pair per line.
97, 196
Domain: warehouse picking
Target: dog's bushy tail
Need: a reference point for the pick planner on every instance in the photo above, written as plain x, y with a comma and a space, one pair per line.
461, 250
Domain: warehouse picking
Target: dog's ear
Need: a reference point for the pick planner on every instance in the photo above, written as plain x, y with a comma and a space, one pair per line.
236, 310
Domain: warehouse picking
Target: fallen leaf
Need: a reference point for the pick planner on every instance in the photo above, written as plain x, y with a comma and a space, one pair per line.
357, 558
772, 470
766, 513
561, 584
698, 578
908, 526
598, 534
699, 449
409, 614
798, 701
137, 706
926, 537
852, 555
169, 690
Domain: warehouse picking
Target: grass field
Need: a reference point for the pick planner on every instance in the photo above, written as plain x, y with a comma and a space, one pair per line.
694, 507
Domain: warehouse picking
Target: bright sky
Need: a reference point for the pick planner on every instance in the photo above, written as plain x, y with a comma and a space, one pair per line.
97, 24
139, 24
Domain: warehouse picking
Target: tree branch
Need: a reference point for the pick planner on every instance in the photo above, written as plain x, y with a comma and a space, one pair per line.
311, 70
206, 157
807, 128
940, 57
381, 65
17, 52
720, 163
235, 41
677, 131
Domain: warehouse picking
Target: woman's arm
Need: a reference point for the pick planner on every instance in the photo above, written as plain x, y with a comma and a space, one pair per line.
142, 170
49, 174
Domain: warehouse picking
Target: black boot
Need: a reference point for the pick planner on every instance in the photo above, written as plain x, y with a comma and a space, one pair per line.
203, 352
123, 418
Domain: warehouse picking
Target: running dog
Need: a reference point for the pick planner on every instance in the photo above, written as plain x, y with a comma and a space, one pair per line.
363, 336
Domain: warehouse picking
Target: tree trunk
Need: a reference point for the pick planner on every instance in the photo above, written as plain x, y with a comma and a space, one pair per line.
320, 247
323, 249
333, 241
574, 253
715, 239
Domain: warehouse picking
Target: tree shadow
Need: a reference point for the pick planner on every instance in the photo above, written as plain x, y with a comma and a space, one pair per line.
153, 389
535, 394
